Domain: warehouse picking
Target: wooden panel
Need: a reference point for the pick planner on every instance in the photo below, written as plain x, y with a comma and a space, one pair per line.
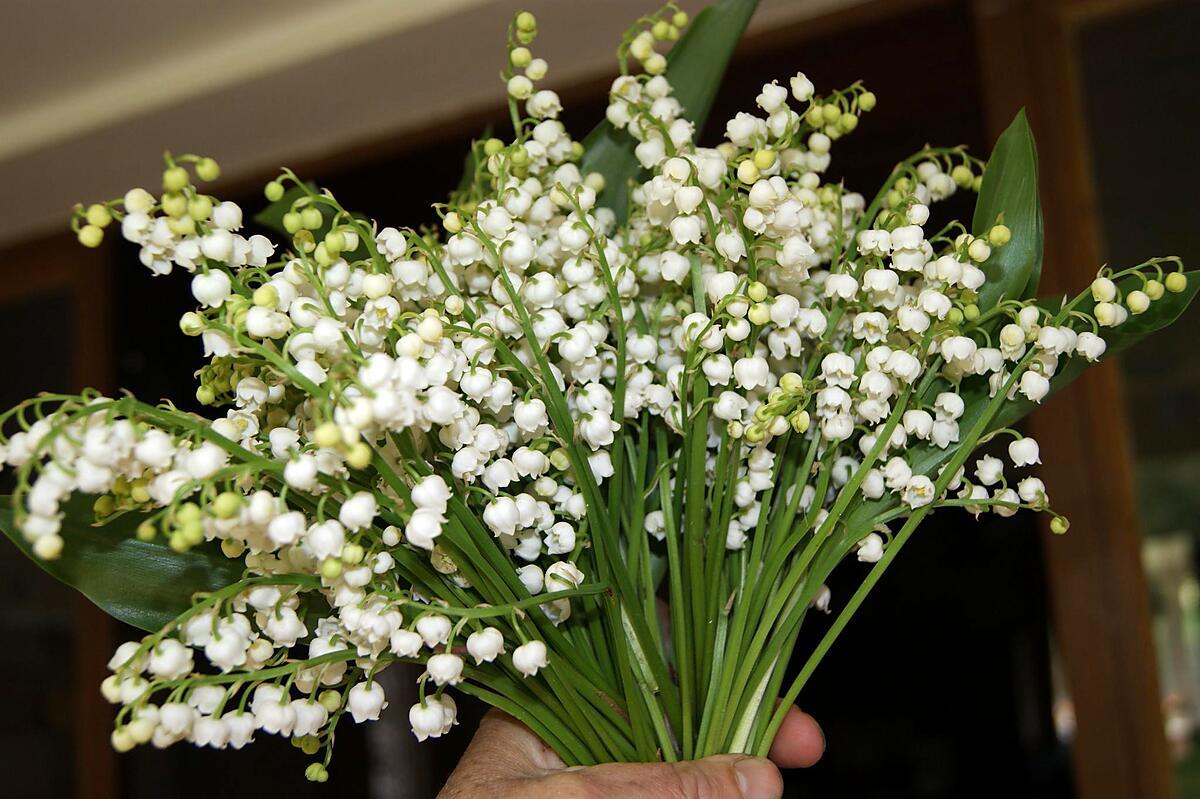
60, 264
1098, 592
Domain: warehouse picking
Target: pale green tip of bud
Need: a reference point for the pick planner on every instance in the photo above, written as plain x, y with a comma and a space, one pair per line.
1059, 525
359, 455
1176, 282
227, 505
526, 22
208, 169
90, 236
175, 179
98, 215
327, 435
331, 568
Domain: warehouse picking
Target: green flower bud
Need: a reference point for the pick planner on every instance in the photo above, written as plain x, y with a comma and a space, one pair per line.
971, 312
322, 255
232, 548
1137, 301
178, 543
1154, 289
327, 435
358, 456
200, 208
146, 531
104, 505
193, 533
335, 242
452, 222
265, 296
175, 179
174, 205
205, 395
274, 191
764, 159
1176, 282
520, 57
227, 505
830, 113
962, 175
660, 30
90, 236
316, 773
208, 169
311, 218
138, 491
999, 235
292, 222
1059, 525
183, 226
98, 215
331, 568
680, 19
526, 22
191, 324
492, 146
330, 700
352, 554
559, 459
866, 101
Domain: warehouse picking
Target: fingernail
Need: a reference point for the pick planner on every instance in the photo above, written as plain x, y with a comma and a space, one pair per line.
758, 779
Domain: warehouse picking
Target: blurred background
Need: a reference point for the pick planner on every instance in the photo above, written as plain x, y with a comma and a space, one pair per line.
993, 661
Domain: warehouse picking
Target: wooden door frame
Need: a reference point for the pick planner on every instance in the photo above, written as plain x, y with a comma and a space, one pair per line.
1099, 598
60, 264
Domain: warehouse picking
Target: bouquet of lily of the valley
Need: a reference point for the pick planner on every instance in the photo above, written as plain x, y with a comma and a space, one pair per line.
622, 371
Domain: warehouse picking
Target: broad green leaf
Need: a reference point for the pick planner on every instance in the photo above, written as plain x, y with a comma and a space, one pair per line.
1010, 194
695, 67
927, 459
144, 584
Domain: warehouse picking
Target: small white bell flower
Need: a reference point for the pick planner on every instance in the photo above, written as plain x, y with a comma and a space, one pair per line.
529, 658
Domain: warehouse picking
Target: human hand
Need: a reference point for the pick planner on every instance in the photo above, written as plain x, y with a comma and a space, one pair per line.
507, 761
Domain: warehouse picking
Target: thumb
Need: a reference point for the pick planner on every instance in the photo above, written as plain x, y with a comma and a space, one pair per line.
720, 777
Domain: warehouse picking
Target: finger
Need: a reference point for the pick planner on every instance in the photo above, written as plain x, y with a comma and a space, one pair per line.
502, 756
721, 777
799, 742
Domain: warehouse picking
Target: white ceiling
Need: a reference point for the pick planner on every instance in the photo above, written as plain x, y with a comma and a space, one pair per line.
94, 91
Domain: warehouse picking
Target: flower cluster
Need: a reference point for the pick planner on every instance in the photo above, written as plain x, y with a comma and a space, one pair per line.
475, 448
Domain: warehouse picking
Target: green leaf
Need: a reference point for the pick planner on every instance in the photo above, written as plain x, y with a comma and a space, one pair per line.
695, 67
144, 584
1010, 193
